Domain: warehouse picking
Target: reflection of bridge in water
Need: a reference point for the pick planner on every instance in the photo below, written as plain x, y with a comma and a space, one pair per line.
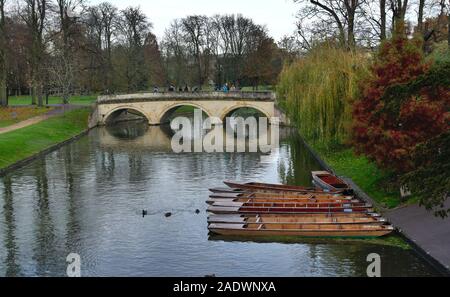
157, 107
156, 138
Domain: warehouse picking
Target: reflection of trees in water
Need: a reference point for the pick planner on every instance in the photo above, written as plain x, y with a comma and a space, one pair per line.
72, 225
12, 268
128, 130
296, 170
107, 166
44, 225
136, 166
116, 151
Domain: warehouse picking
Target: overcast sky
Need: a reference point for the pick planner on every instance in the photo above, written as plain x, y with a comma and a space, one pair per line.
277, 15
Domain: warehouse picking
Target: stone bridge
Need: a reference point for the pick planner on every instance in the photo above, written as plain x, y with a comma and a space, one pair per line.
157, 107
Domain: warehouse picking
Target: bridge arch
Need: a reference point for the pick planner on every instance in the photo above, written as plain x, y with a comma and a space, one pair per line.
167, 111
155, 106
118, 110
234, 108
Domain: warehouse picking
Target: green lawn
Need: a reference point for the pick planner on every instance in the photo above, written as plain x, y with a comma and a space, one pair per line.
23, 143
76, 100
363, 172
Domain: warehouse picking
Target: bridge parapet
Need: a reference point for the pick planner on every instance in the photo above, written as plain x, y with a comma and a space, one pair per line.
195, 96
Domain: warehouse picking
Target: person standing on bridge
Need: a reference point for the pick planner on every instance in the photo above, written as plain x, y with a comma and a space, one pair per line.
225, 88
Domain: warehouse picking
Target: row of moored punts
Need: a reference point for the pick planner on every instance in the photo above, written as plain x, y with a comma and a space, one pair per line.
259, 209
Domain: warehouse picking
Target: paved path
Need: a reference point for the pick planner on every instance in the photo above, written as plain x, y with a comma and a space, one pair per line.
54, 112
427, 232
430, 233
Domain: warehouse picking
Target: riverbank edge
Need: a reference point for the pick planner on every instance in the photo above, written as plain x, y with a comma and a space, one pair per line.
24, 162
440, 267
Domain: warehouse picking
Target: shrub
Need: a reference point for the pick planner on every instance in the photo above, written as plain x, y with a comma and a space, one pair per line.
430, 179
404, 104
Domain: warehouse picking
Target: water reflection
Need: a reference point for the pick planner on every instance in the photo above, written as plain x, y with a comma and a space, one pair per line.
9, 240
87, 198
129, 130
43, 221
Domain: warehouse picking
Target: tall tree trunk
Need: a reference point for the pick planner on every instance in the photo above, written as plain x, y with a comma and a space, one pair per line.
399, 8
65, 24
382, 19
3, 83
420, 16
40, 96
33, 92
448, 34
3, 90
350, 7
351, 29
3, 58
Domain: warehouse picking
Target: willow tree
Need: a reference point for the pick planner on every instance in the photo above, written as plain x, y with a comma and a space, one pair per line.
317, 92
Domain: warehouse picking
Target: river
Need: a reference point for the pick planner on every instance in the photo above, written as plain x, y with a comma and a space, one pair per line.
87, 198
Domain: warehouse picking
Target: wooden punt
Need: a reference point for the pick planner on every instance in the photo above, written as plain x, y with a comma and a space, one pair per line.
305, 215
318, 219
328, 181
226, 190
257, 187
301, 230
281, 210
311, 196
211, 201
312, 205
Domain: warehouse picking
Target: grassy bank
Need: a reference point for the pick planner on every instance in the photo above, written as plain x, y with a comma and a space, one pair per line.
23, 143
76, 100
363, 172
12, 115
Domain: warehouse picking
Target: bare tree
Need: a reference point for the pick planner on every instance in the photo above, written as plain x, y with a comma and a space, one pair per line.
109, 19
134, 28
194, 28
373, 24
96, 64
34, 14
290, 47
235, 33
69, 14
341, 13
175, 53
63, 75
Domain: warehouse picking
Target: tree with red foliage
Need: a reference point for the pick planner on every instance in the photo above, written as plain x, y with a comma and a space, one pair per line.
403, 105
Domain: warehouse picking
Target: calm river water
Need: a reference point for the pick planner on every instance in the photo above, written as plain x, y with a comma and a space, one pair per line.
87, 198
